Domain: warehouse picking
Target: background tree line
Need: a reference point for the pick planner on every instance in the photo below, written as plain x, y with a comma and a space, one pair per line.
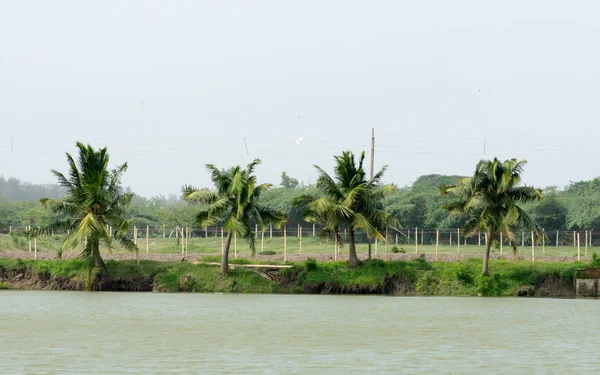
576, 207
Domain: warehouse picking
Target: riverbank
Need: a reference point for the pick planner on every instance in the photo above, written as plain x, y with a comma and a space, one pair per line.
415, 277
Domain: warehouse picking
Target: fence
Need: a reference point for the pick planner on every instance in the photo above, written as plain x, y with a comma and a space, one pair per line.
289, 239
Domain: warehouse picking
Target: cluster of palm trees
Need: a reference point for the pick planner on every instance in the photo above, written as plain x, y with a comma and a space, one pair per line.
95, 201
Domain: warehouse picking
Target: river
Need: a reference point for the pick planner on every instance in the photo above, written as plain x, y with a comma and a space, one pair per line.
153, 333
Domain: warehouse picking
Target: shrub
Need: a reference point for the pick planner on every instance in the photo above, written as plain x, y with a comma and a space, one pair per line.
395, 249
310, 265
3, 285
402, 251
595, 259
490, 285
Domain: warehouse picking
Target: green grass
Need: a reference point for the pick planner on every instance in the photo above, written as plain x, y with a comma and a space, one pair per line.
212, 245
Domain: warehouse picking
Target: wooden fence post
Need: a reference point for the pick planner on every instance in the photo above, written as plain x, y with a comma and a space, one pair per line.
532, 247
574, 240
183, 241
314, 233
523, 239
396, 239
416, 240
578, 247
422, 235
586, 243
437, 242
29, 229
270, 230
450, 238
408, 236
557, 238
285, 243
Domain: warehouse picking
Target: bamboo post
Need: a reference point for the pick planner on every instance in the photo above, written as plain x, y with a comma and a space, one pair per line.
183, 241
586, 244
314, 233
422, 235
375, 246
234, 245
285, 243
590, 238
532, 247
206, 232
437, 242
501, 243
298, 230
262, 241
478, 238
335, 252
574, 240
29, 229
300, 243
578, 247
458, 239
386, 245
34, 247
543, 242
147, 239
396, 239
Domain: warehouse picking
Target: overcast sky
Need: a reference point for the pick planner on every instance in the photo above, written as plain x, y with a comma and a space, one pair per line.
169, 86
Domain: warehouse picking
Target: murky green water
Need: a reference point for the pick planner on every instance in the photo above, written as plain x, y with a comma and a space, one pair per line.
150, 333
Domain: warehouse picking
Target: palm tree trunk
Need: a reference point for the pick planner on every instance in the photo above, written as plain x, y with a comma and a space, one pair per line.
369, 241
352, 257
225, 255
486, 256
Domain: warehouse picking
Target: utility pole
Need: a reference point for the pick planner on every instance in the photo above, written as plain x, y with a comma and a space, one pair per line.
372, 171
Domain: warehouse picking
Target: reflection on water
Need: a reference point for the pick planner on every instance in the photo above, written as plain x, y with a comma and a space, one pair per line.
143, 333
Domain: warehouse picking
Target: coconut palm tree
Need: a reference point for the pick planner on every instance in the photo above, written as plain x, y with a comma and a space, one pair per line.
94, 199
491, 201
234, 203
348, 200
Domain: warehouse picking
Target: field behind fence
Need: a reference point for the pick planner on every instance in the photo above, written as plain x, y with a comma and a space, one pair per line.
298, 241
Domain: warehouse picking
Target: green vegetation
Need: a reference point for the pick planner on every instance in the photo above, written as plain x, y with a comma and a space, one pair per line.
93, 201
235, 204
348, 201
490, 201
417, 277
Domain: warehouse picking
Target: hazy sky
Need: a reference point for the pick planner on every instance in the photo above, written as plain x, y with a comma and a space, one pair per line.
169, 86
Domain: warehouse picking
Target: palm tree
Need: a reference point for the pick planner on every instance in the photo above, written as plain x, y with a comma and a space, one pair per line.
491, 200
94, 199
348, 200
235, 203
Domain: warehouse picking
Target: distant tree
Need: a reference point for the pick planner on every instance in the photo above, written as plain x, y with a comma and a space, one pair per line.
491, 200
94, 199
235, 203
288, 182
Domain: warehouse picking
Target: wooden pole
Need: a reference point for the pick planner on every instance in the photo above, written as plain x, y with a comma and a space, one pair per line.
314, 233
586, 244
450, 238
437, 243
147, 239
110, 231
34, 247
408, 236
187, 240
300, 243
285, 243
578, 247
532, 247
543, 242
501, 243
335, 251
375, 246
234, 245
422, 235
270, 230
557, 238
29, 229
396, 239
206, 232
478, 238
590, 238
135, 234
458, 239
262, 241
416, 240
574, 240
183, 241
386, 245
298, 230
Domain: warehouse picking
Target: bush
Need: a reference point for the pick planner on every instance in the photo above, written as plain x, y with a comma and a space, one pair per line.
402, 251
490, 285
310, 265
3, 285
595, 259
268, 252
395, 249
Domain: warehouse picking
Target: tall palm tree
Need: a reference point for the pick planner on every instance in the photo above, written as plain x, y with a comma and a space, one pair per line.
94, 199
235, 203
491, 200
348, 200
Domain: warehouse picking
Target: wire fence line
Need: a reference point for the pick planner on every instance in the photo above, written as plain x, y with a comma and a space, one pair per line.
413, 236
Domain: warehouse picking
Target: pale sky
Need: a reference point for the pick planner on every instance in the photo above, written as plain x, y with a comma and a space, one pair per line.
169, 86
